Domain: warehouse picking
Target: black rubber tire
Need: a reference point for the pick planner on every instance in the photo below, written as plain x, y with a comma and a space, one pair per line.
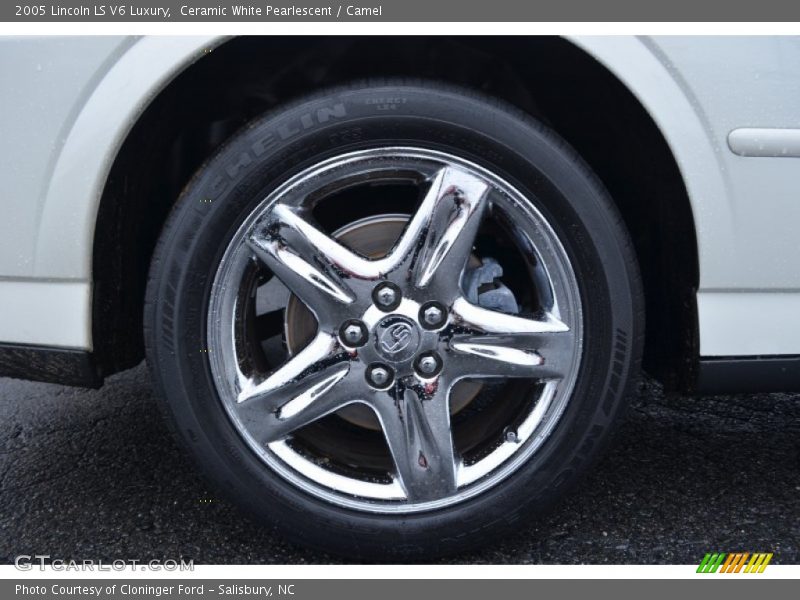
503, 139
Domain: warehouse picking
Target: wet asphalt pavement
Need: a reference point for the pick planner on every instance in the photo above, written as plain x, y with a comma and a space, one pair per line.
95, 474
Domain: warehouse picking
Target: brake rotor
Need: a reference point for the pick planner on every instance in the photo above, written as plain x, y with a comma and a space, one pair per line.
372, 237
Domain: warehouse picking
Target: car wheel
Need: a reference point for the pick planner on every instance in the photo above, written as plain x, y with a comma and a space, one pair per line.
394, 320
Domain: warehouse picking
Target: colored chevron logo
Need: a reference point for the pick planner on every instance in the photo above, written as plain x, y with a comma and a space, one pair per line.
736, 562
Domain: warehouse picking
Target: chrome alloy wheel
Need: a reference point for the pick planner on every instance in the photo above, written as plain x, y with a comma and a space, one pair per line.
395, 334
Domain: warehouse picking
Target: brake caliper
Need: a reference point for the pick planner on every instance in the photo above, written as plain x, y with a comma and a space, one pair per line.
483, 287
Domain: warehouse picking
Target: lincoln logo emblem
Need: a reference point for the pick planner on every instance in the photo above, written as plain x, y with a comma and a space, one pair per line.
396, 338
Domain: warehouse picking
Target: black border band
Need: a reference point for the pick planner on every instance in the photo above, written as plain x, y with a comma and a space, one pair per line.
53, 365
748, 374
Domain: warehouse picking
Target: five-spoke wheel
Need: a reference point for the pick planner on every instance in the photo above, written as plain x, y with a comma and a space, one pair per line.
396, 333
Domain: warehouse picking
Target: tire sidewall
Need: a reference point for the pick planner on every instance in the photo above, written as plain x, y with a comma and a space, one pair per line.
273, 148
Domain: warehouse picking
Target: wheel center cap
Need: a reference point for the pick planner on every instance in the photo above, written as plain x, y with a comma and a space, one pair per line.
396, 338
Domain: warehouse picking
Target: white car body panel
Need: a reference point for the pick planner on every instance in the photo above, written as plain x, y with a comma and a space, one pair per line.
46, 313
743, 207
58, 179
75, 99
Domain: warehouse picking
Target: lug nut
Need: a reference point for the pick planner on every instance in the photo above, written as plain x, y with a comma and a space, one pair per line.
379, 376
386, 296
432, 315
353, 333
428, 364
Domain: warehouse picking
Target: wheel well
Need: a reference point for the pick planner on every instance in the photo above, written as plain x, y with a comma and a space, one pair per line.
548, 77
